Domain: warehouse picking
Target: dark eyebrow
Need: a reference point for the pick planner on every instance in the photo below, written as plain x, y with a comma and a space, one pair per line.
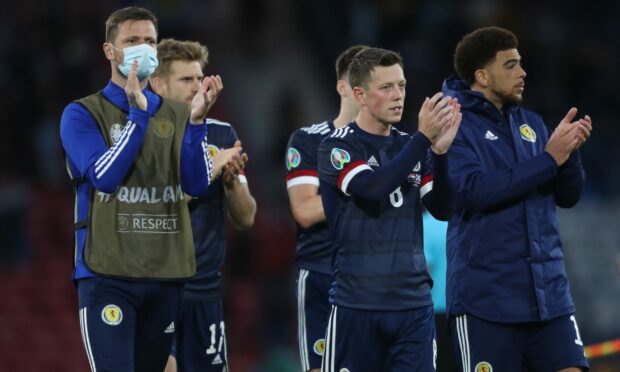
514, 60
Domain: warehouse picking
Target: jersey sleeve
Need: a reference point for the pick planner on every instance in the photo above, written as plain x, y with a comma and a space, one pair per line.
195, 160
339, 162
301, 160
102, 166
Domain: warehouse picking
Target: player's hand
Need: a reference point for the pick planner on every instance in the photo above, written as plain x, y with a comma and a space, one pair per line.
135, 97
232, 169
568, 136
436, 113
446, 137
205, 98
585, 129
222, 158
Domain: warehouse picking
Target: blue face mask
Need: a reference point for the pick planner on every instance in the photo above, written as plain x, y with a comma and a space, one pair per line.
146, 56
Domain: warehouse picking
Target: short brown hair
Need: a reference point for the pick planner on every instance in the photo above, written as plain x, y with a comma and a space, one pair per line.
131, 13
170, 50
479, 48
344, 60
366, 60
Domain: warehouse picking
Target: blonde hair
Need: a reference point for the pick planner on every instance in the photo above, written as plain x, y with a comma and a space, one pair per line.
170, 50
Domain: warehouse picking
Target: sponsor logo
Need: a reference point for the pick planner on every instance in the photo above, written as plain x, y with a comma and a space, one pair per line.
122, 223
372, 161
217, 360
319, 346
339, 158
170, 328
163, 128
527, 133
112, 315
484, 367
490, 136
115, 132
293, 158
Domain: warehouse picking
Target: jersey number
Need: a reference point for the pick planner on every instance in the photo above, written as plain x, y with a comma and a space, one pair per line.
213, 329
578, 339
396, 198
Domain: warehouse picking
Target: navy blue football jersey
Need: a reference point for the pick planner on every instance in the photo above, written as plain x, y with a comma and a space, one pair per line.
379, 259
314, 251
209, 221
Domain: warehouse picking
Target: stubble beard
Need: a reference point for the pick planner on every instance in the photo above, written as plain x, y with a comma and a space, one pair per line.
508, 98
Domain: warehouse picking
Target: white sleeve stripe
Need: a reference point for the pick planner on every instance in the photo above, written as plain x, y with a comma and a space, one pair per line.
425, 189
116, 151
111, 150
243, 179
303, 180
352, 173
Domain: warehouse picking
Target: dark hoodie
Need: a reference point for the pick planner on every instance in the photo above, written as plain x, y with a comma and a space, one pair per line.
505, 260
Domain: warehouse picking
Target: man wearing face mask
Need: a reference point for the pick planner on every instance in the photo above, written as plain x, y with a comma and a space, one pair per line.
132, 156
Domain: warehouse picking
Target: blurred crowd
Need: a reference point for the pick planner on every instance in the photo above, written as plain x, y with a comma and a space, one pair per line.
276, 59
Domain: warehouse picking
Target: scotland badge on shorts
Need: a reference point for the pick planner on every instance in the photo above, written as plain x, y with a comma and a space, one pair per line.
484, 367
319, 346
112, 315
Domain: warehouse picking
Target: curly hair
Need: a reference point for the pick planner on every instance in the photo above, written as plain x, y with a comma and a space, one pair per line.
479, 48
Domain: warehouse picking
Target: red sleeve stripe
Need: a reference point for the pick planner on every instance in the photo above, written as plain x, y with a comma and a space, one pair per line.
426, 179
349, 172
426, 185
302, 177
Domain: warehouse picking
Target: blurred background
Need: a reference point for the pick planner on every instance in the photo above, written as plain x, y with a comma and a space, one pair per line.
276, 59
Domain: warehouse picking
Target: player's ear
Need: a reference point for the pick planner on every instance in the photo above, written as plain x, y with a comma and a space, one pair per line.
157, 84
341, 87
360, 95
108, 51
481, 77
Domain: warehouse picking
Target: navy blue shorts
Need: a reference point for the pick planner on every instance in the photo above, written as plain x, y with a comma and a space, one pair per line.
128, 325
370, 341
481, 345
200, 343
312, 313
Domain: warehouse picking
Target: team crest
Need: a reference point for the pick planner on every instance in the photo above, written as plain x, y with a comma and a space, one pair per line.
163, 127
115, 132
319, 346
293, 158
339, 158
527, 133
344, 370
484, 367
212, 150
112, 315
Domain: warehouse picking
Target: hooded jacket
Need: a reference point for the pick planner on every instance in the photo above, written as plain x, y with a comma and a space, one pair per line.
505, 260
